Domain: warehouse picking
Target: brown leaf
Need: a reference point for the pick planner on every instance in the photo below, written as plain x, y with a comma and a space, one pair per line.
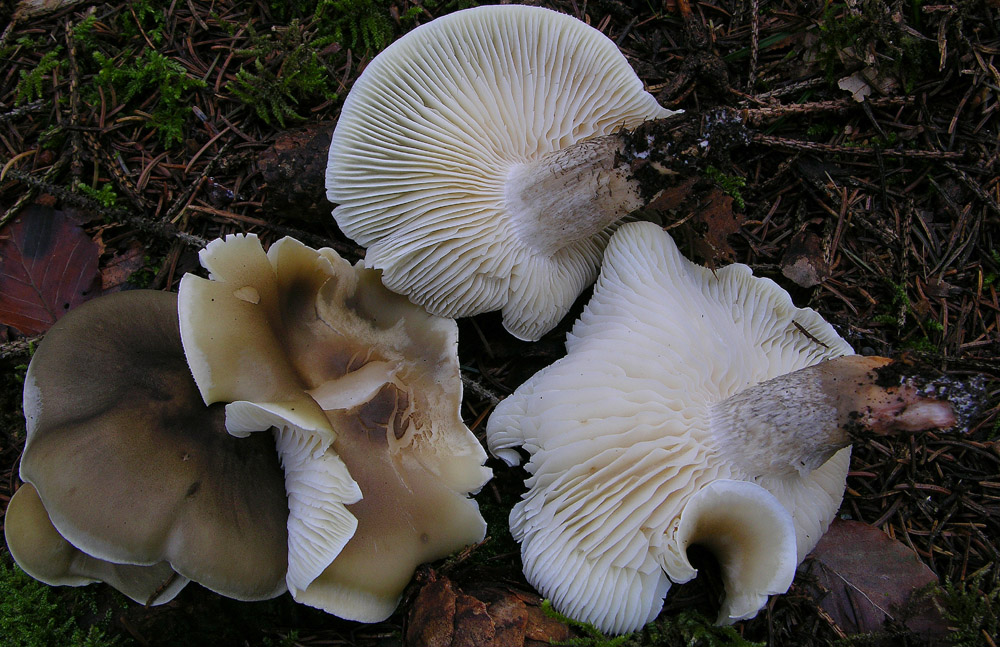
866, 578
443, 615
432, 616
473, 624
715, 220
672, 198
118, 270
804, 261
47, 266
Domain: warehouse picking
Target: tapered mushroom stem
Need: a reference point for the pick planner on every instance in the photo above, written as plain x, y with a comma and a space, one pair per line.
797, 421
573, 193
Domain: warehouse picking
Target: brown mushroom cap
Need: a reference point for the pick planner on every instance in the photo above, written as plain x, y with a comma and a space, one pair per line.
133, 467
45, 555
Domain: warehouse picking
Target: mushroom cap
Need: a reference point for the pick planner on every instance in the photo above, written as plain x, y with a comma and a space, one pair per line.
620, 440
45, 555
429, 134
363, 390
133, 468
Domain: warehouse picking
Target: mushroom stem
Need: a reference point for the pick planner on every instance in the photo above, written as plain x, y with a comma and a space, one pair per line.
571, 194
797, 421
575, 192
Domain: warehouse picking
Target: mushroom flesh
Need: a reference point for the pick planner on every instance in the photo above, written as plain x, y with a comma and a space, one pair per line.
693, 407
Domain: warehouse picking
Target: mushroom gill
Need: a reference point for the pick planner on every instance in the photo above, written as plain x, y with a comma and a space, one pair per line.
475, 159
693, 406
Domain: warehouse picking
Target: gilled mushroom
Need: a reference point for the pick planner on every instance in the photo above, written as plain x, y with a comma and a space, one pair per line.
476, 160
129, 477
362, 391
45, 555
693, 407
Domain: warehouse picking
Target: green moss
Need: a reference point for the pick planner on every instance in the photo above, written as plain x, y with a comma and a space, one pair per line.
873, 26
591, 636
284, 69
730, 184
695, 630
144, 17
688, 628
83, 33
289, 67
30, 85
146, 73
365, 24
921, 344
33, 615
990, 276
972, 609
105, 196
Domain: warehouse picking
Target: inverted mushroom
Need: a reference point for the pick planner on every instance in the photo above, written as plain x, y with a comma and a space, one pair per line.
362, 391
693, 407
129, 478
475, 160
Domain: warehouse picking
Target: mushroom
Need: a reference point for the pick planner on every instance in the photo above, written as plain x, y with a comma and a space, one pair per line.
45, 555
362, 391
129, 477
693, 407
477, 160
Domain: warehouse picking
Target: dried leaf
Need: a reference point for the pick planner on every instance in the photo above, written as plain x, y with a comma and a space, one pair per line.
804, 260
36, 8
118, 270
715, 220
473, 624
432, 616
47, 266
867, 578
856, 85
487, 616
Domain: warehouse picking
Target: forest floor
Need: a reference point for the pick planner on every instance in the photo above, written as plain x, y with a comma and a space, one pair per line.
870, 190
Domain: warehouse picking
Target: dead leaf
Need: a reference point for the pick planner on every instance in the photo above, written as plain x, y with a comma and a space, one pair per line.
118, 270
47, 266
36, 8
715, 220
867, 578
856, 85
804, 260
443, 615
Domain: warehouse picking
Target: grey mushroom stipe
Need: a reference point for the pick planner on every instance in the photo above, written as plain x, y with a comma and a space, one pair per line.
691, 408
476, 160
129, 477
361, 392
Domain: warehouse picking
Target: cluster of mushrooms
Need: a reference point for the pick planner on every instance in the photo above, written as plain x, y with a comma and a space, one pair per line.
692, 407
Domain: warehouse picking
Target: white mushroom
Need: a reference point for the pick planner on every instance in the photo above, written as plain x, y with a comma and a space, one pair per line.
692, 407
474, 158
362, 390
